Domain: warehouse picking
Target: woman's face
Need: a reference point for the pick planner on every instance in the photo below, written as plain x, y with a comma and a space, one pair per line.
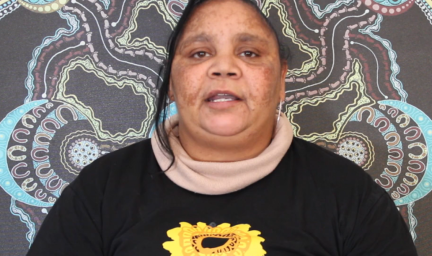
226, 75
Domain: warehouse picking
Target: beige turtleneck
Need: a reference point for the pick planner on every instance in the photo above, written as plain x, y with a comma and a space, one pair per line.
216, 178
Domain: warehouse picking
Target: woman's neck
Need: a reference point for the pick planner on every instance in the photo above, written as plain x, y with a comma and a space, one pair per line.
212, 148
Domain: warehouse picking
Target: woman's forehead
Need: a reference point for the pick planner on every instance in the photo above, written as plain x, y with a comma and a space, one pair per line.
220, 17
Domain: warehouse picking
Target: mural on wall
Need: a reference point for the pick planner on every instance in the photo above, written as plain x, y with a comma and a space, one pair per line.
92, 86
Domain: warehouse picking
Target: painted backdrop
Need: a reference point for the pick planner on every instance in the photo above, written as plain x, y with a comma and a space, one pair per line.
79, 80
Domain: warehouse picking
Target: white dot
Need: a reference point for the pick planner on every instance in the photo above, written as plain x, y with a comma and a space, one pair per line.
62, 1
375, 7
420, 118
391, 11
2, 136
55, 6
1, 170
426, 184
403, 7
114, 24
414, 195
430, 132
7, 183
398, 9
19, 194
368, 2
40, 9
384, 10
9, 121
21, 111
47, 8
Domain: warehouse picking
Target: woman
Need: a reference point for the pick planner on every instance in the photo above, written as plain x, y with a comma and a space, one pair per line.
225, 176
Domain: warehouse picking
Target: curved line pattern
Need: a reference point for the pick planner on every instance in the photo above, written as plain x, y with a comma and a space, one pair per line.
333, 54
424, 185
6, 180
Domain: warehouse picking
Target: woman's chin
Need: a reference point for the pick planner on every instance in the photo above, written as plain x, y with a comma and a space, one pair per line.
225, 127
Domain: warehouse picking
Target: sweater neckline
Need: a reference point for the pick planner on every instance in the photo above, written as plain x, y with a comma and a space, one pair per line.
217, 178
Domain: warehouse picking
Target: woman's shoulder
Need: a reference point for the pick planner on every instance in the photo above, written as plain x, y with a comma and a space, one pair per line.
125, 161
330, 170
307, 151
131, 152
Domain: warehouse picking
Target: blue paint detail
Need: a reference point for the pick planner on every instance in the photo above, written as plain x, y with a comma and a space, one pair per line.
74, 25
172, 110
106, 3
39, 2
81, 116
319, 13
8, 8
424, 186
24, 218
7, 182
390, 3
397, 84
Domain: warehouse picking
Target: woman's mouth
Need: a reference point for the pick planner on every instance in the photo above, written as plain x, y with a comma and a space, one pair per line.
222, 97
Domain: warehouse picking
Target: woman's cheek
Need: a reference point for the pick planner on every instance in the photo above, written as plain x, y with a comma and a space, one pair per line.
265, 87
186, 87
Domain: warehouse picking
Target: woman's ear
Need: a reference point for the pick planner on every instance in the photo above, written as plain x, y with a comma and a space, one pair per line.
170, 91
284, 70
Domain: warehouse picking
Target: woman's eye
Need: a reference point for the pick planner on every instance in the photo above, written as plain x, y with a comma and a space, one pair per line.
200, 54
248, 54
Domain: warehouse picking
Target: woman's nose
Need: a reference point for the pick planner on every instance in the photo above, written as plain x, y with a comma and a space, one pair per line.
225, 67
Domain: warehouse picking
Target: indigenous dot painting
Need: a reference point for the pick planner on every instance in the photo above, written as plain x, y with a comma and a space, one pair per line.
238, 240
79, 80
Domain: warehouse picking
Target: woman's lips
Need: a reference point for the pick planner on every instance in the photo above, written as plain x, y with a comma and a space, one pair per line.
222, 97
221, 100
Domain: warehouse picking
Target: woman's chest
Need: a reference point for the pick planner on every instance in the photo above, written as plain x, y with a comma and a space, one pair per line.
236, 224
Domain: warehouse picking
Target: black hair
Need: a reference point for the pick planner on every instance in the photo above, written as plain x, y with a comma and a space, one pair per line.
165, 71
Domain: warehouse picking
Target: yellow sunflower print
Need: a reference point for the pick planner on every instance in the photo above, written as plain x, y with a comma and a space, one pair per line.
187, 240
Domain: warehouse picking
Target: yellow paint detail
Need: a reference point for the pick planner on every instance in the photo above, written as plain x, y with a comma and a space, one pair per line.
138, 87
354, 83
187, 240
45, 8
126, 39
289, 32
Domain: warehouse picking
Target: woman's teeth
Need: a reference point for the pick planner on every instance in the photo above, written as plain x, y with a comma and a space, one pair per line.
222, 98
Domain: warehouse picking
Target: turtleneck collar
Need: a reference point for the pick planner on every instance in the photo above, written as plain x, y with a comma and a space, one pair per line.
216, 178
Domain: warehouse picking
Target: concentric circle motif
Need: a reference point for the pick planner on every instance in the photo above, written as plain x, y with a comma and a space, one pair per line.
389, 7
354, 149
43, 6
82, 152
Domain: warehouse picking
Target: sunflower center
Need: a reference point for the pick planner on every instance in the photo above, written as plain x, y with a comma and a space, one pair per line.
213, 242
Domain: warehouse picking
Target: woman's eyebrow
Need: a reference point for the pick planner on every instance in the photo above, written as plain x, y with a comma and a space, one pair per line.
246, 37
203, 37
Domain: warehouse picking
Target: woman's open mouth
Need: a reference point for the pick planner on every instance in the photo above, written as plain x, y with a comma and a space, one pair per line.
222, 97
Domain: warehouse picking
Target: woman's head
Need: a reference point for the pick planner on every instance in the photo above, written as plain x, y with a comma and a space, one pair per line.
225, 71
